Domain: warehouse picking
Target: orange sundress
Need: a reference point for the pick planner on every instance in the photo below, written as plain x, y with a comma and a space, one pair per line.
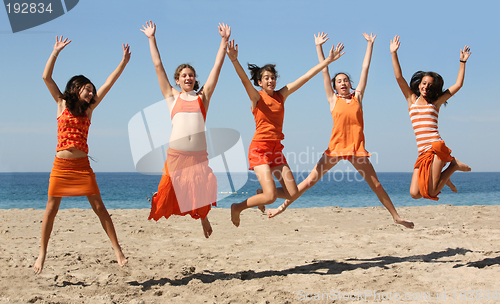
347, 137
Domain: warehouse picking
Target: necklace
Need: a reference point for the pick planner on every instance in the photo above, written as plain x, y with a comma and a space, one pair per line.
344, 96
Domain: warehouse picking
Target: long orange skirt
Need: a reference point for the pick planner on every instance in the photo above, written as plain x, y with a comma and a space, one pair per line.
187, 186
424, 162
72, 177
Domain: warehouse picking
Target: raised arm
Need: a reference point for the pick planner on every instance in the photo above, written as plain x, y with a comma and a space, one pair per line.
213, 77
464, 56
232, 53
104, 89
403, 85
360, 89
319, 40
49, 68
335, 53
166, 88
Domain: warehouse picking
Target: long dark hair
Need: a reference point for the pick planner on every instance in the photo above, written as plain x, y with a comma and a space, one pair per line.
178, 73
256, 72
435, 90
71, 94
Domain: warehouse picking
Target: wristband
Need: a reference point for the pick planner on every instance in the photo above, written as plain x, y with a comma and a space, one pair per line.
464, 61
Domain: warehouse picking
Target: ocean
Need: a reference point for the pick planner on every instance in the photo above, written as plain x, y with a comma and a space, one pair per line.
342, 189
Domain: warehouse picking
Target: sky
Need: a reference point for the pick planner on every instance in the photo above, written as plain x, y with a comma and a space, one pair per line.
280, 32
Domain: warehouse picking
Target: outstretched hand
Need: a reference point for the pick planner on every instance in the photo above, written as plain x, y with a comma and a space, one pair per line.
126, 53
465, 53
149, 29
232, 50
321, 38
336, 52
395, 44
60, 43
370, 38
224, 31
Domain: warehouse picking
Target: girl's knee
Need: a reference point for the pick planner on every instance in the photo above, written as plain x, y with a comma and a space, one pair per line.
415, 194
270, 197
433, 192
378, 186
98, 207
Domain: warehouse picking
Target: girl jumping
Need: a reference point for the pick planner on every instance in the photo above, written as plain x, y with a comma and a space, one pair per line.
347, 141
425, 96
265, 152
71, 174
188, 185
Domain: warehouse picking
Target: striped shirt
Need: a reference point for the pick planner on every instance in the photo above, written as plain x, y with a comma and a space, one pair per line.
424, 120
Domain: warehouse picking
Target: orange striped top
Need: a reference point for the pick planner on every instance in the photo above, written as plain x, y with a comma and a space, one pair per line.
424, 119
72, 131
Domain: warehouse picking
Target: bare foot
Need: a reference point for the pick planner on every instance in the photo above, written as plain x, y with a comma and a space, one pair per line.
38, 266
461, 166
274, 212
404, 222
120, 258
207, 228
235, 215
452, 186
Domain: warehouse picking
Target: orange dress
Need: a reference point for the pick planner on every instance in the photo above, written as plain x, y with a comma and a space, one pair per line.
347, 137
72, 176
188, 185
266, 147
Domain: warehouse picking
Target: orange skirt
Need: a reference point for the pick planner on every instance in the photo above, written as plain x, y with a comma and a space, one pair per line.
72, 177
424, 163
187, 186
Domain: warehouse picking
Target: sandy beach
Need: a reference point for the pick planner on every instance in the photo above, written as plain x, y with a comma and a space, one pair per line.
316, 255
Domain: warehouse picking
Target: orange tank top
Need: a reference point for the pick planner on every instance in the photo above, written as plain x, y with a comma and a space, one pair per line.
72, 131
191, 106
347, 133
269, 114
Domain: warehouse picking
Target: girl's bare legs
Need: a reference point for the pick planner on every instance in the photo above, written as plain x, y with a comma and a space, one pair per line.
47, 225
324, 164
106, 222
268, 195
439, 179
207, 228
365, 168
451, 185
414, 188
284, 175
288, 187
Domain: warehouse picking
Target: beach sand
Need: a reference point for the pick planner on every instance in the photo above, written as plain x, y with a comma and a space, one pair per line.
304, 255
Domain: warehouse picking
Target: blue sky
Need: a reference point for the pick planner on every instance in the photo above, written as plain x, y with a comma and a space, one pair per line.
281, 32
